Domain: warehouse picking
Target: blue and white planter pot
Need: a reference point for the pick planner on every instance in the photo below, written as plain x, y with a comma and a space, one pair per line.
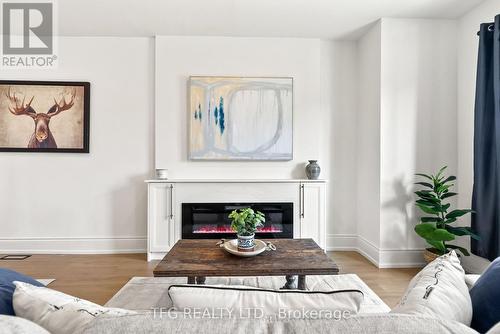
246, 243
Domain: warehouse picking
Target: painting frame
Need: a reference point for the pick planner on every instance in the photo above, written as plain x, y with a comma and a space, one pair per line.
86, 115
290, 156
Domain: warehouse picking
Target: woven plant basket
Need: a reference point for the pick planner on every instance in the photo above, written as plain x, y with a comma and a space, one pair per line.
429, 255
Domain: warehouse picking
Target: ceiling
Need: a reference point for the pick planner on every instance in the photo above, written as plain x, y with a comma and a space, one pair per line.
329, 19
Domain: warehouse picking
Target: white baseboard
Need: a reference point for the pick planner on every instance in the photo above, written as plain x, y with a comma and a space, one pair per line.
382, 258
156, 256
401, 258
60, 245
341, 242
369, 250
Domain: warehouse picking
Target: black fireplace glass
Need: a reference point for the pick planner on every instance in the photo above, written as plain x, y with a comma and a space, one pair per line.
210, 220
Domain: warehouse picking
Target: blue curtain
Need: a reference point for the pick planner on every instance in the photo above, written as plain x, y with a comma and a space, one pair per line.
486, 194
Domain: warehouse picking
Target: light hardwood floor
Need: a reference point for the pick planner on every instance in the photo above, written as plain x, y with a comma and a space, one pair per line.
388, 284
98, 277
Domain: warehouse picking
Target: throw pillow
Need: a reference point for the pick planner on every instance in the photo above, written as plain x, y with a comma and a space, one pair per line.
249, 302
486, 298
55, 311
7, 287
439, 291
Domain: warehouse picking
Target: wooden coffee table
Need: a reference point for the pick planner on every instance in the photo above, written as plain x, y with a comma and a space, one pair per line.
197, 259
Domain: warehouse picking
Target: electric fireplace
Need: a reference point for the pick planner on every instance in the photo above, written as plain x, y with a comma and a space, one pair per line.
210, 220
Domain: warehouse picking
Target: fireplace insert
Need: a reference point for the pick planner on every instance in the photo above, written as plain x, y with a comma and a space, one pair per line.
210, 220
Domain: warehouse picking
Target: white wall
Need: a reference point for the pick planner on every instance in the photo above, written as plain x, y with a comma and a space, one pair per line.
357, 108
179, 57
96, 202
339, 69
405, 124
468, 43
368, 142
87, 202
321, 107
418, 123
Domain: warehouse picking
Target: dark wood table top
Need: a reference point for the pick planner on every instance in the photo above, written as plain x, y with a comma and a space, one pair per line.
203, 258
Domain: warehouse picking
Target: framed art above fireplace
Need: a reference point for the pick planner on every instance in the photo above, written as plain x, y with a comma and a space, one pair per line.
44, 116
240, 118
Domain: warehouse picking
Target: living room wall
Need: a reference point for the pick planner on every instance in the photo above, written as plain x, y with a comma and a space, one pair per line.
86, 203
367, 238
179, 57
97, 202
418, 124
324, 109
406, 113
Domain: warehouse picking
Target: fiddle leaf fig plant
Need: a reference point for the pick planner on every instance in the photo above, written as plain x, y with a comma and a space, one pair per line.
437, 225
246, 221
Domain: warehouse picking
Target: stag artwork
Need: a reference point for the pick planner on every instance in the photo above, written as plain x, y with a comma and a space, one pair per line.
42, 136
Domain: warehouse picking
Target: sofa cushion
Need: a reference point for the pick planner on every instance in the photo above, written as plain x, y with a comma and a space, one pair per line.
359, 324
244, 301
486, 298
7, 287
439, 290
147, 293
471, 279
17, 325
55, 311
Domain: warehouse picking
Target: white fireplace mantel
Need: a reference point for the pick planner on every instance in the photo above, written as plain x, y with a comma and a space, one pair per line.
235, 181
165, 198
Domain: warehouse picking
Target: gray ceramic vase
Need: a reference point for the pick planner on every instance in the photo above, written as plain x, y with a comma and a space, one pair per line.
313, 170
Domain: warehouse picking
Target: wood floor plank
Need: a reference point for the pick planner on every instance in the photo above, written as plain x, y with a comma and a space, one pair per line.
98, 277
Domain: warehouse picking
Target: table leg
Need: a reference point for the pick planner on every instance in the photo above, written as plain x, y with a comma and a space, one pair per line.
290, 282
191, 279
302, 282
200, 279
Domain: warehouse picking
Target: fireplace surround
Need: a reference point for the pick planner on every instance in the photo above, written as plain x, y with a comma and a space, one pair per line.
210, 220
304, 216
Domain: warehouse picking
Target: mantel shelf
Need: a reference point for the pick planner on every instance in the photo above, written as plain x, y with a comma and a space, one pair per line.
235, 181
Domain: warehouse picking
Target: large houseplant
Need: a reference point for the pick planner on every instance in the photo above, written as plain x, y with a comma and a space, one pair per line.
245, 222
437, 227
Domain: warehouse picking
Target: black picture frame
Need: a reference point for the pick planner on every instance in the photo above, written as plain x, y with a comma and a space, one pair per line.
86, 115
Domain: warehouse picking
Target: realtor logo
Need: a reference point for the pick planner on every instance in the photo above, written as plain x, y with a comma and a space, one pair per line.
28, 34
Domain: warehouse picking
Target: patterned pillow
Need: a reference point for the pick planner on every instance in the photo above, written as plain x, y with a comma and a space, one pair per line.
55, 311
439, 291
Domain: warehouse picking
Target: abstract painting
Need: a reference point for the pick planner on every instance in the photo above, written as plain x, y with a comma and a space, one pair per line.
233, 118
44, 116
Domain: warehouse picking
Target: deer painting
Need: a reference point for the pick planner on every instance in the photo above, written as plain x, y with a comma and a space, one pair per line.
42, 136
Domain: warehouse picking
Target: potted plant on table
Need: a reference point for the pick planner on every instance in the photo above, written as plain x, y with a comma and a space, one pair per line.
245, 222
437, 227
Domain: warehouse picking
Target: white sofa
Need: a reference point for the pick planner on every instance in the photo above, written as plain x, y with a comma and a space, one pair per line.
144, 294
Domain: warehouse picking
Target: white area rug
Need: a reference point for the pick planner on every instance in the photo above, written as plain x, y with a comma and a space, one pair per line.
144, 293
45, 281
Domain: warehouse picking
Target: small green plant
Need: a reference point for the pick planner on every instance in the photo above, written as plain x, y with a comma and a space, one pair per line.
246, 221
438, 229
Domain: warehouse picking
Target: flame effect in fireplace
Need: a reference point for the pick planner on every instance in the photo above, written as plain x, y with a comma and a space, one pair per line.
227, 229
